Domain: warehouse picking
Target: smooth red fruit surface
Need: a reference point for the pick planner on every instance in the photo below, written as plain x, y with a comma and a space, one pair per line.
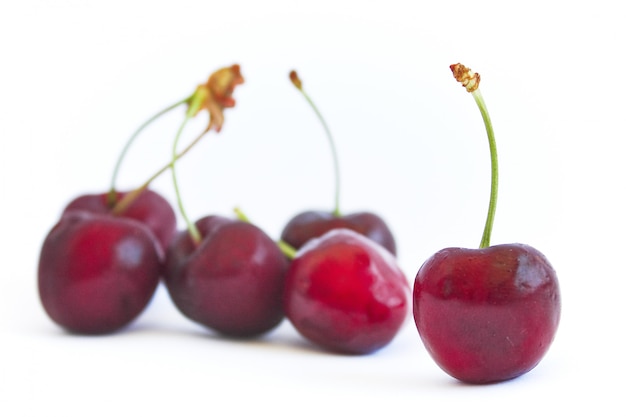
487, 315
97, 273
232, 282
150, 208
311, 224
346, 293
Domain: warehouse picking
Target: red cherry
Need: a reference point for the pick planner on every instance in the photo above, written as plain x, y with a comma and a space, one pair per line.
346, 293
311, 224
487, 315
232, 281
97, 273
149, 208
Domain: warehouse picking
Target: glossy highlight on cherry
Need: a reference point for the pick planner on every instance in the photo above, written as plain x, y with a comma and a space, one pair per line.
346, 293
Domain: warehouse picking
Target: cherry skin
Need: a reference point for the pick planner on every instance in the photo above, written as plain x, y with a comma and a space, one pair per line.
487, 315
232, 281
311, 224
346, 293
97, 273
149, 208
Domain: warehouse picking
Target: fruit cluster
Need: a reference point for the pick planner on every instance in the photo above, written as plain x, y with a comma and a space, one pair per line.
484, 315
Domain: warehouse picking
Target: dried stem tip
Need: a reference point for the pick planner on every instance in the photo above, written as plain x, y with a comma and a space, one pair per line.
293, 76
217, 94
466, 77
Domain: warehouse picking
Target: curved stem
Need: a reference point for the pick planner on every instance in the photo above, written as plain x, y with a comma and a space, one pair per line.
333, 150
287, 250
194, 105
493, 198
112, 196
298, 84
127, 200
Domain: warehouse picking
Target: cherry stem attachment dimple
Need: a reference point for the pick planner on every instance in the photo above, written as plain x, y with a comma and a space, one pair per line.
295, 80
287, 250
112, 196
471, 81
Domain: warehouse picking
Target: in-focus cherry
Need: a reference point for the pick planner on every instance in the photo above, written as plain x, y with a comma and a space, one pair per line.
315, 223
346, 293
488, 314
97, 273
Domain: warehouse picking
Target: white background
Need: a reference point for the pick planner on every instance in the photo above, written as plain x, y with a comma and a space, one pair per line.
77, 77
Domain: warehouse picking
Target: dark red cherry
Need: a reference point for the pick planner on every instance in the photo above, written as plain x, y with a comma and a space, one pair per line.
487, 315
311, 224
149, 207
232, 281
346, 293
96, 272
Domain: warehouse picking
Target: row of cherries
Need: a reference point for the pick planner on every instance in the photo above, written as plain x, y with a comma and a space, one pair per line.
484, 315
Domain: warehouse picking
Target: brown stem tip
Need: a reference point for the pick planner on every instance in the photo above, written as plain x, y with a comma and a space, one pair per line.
218, 94
293, 76
466, 77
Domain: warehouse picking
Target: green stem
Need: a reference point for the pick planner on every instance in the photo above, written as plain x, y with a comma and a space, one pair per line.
112, 196
127, 200
333, 149
195, 103
287, 250
494, 169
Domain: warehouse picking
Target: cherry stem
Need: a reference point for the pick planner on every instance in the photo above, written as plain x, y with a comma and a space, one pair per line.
293, 76
128, 198
287, 250
471, 80
112, 196
493, 197
194, 105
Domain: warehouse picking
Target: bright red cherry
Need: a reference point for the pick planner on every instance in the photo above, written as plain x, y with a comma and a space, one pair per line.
310, 224
489, 314
346, 293
97, 273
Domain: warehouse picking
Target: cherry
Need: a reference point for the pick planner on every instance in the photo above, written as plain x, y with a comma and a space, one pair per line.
489, 314
231, 281
227, 275
346, 293
97, 273
314, 223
